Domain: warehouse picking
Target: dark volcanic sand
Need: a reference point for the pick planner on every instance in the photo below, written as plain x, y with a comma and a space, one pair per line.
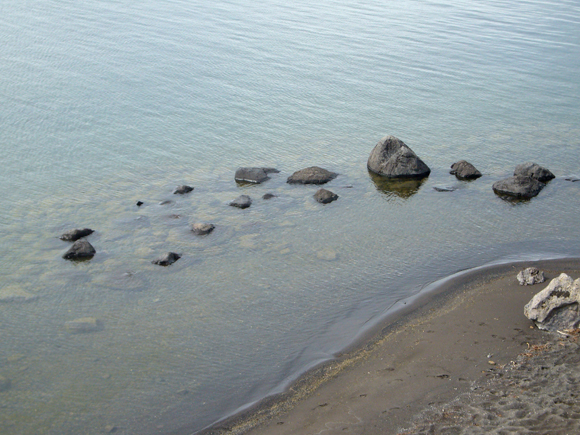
467, 361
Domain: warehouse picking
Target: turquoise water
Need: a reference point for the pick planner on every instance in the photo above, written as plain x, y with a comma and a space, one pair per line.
108, 103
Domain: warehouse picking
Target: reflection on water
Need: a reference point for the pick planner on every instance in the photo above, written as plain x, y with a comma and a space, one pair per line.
393, 188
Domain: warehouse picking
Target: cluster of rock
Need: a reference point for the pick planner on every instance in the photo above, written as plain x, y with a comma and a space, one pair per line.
556, 307
528, 180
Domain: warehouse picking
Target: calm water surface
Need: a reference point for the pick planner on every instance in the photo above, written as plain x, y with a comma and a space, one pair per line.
110, 102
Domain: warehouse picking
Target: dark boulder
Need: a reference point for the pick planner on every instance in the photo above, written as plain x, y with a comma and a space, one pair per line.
253, 175
518, 187
202, 229
535, 171
324, 196
464, 170
392, 158
167, 259
182, 190
311, 175
80, 250
242, 201
74, 235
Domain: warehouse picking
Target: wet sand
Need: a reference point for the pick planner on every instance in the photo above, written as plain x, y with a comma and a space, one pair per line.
463, 359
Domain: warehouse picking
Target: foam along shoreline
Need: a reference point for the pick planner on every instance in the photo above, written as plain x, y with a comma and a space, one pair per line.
448, 341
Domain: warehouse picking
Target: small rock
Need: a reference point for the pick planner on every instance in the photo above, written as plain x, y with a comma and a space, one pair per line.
202, 229
167, 259
327, 254
16, 294
84, 325
242, 201
139, 203
74, 235
311, 175
572, 178
268, 196
530, 276
530, 169
444, 188
81, 249
166, 202
253, 175
555, 308
518, 187
392, 158
111, 428
324, 196
182, 392
464, 170
182, 190
4, 383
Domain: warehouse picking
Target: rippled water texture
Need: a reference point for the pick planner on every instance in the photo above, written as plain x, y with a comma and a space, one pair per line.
108, 103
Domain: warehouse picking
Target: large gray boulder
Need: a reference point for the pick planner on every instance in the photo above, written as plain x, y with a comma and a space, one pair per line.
464, 170
80, 250
535, 171
556, 307
253, 175
392, 158
311, 175
324, 196
518, 187
74, 235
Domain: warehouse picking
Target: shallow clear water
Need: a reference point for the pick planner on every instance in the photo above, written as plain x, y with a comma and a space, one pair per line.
108, 103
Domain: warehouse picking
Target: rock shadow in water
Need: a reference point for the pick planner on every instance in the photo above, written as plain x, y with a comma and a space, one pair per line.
394, 188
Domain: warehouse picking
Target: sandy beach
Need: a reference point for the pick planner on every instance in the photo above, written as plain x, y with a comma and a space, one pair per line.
463, 359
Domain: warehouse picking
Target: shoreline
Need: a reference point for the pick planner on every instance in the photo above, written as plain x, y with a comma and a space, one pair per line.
434, 347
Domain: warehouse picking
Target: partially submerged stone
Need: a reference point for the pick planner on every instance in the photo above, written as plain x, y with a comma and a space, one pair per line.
445, 188
74, 235
518, 187
312, 175
530, 276
167, 259
530, 169
84, 325
253, 175
182, 190
16, 294
80, 250
555, 308
242, 201
268, 196
324, 196
200, 229
392, 158
464, 170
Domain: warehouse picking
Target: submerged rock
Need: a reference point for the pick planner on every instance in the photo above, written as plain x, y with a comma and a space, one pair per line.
182, 190
74, 235
253, 175
518, 187
80, 250
268, 196
444, 188
531, 276
242, 201
464, 170
202, 229
324, 196
4, 383
392, 158
16, 294
84, 325
530, 169
555, 308
167, 259
311, 175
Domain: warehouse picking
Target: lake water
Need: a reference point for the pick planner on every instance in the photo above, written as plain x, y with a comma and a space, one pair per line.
107, 103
